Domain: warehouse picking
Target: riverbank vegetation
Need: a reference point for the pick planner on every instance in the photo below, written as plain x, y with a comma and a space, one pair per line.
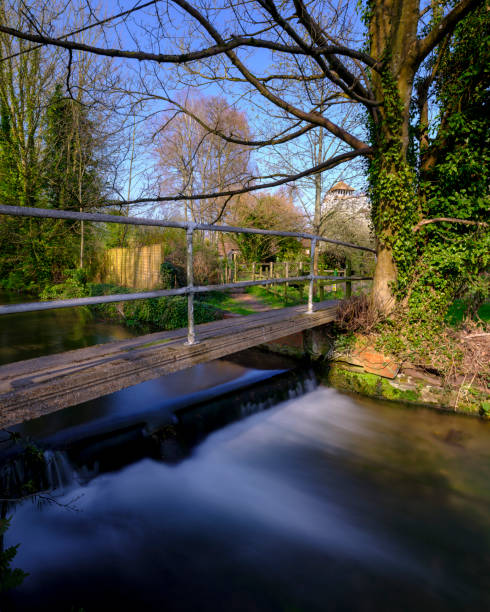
454, 357
442, 253
58, 150
150, 314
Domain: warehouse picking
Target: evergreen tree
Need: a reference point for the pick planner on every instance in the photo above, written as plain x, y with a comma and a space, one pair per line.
35, 252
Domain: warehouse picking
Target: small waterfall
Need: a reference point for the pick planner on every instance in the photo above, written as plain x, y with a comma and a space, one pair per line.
58, 471
194, 423
35, 472
295, 386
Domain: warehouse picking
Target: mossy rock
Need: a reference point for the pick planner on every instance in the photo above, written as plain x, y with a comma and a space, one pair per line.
354, 379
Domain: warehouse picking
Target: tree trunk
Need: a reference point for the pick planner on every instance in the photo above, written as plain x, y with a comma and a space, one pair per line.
385, 276
393, 33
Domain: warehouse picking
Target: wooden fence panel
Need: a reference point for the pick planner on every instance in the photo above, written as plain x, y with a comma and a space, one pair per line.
138, 268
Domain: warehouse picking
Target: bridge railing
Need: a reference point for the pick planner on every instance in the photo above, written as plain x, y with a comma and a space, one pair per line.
190, 289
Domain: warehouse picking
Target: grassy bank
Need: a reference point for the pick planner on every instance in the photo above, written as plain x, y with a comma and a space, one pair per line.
224, 301
149, 314
409, 389
276, 297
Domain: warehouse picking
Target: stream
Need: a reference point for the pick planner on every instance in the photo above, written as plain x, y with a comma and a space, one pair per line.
242, 485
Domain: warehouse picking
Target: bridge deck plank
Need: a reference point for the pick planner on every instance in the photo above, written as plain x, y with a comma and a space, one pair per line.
31, 388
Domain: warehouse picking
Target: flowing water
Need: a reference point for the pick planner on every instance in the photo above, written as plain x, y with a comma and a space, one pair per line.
247, 486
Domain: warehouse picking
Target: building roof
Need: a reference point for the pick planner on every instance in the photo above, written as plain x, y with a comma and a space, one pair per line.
341, 186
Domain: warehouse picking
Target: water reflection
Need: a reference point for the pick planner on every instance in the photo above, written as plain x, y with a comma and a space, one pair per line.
31, 334
321, 503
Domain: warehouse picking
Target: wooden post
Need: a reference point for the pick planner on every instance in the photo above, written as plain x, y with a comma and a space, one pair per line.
234, 268
253, 271
348, 284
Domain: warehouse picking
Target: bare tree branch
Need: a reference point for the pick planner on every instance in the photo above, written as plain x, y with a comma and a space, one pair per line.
312, 117
425, 45
331, 163
420, 224
84, 29
353, 86
178, 58
274, 140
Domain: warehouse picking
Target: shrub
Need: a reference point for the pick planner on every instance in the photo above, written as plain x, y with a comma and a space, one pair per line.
172, 275
156, 313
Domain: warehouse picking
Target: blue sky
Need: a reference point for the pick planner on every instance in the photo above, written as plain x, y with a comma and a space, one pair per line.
256, 61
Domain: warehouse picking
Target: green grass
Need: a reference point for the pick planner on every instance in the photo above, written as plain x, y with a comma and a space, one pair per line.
273, 296
224, 301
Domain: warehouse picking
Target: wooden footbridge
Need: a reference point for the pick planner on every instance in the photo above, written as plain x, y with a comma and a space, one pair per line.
34, 387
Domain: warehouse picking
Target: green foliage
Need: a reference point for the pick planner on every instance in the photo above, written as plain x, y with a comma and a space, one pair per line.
172, 276
483, 312
392, 187
74, 286
442, 262
71, 177
152, 313
158, 313
116, 235
9, 178
10, 578
254, 247
458, 311
345, 341
455, 184
63, 173
35, 252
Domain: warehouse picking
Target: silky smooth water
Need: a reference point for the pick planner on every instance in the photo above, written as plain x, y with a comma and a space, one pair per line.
323, 502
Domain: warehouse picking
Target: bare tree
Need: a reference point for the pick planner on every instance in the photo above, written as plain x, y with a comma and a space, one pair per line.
246, 47
193, 159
